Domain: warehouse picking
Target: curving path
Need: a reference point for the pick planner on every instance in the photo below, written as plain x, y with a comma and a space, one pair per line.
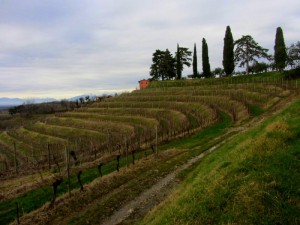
154, 195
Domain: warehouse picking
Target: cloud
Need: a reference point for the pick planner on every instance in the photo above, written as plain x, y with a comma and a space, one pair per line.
59, 48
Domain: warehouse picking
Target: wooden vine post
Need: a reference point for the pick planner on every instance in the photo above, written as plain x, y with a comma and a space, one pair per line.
49, 161
118, 162
18, 213
156, 140
15, 158
126, 149
108, 142
55, 184
133, 157
79, 180
99, 169
32, 152
68, 169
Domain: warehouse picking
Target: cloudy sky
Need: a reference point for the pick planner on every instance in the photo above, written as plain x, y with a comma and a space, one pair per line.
60, 49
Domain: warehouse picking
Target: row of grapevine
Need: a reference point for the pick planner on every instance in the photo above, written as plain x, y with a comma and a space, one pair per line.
166, 109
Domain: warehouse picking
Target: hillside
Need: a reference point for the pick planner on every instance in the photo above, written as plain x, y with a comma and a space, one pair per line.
171, 121
252, 179
172, 108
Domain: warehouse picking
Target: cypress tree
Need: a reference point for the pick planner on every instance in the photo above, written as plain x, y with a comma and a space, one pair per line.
205, 59
182, 58
178, 64
195, 63
228, 54
280, 55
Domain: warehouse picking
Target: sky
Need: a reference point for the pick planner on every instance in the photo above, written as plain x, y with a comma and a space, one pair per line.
61, 49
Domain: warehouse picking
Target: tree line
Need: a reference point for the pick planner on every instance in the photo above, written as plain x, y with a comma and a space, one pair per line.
244, 52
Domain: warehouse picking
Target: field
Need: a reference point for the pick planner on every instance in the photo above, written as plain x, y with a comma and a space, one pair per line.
136, 133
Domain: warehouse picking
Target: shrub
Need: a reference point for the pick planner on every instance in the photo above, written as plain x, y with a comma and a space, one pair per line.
292, 74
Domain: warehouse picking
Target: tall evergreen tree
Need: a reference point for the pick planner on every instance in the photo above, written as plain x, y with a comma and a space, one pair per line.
168, 65
205, 60
280, 54
178, 64
155, 69
195, 63
183, 58
228, 54
163, 65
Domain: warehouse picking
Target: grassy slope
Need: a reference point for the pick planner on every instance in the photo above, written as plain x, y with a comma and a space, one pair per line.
253, 179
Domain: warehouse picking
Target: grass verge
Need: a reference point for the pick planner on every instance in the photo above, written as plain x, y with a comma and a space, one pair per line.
256, 110
253, 179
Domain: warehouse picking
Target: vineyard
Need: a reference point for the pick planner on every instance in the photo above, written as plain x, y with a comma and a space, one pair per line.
92, 139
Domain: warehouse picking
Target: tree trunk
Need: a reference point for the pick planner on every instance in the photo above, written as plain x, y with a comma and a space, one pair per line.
118, 162
133, 157
247, 68
99, 168
79, 180
55, 184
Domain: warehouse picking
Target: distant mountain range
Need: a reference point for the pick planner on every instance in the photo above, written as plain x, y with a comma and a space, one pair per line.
9, 102
73, 99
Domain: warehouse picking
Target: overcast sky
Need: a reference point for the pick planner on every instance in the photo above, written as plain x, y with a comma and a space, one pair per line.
64, 48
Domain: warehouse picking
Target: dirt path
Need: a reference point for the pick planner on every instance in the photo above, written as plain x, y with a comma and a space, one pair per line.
140, 206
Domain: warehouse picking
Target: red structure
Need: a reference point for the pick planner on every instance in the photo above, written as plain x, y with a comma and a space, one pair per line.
143, 84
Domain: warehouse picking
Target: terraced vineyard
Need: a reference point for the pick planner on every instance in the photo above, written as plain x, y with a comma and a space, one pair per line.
131, 123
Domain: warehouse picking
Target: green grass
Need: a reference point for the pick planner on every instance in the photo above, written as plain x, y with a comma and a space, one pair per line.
253, 179
201, 137
255, 110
